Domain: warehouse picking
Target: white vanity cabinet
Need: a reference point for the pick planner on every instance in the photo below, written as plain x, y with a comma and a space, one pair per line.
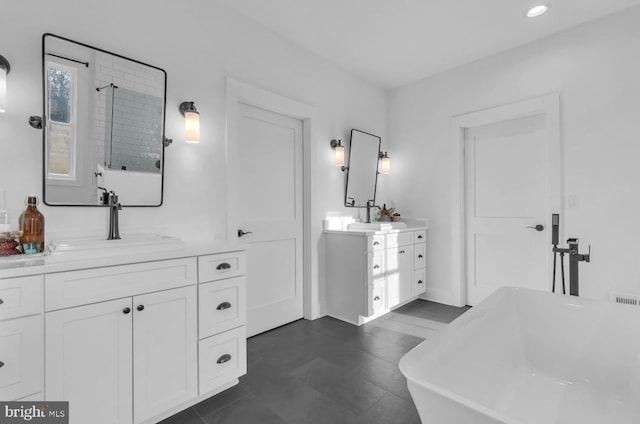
127, 341
146, 341
370, 273
21, 333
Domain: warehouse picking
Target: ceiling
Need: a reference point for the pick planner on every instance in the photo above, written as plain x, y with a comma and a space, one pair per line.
391, 43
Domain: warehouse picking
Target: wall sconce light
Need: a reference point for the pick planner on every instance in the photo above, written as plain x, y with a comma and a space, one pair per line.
386, 163
339, 148
4, 70
191, 122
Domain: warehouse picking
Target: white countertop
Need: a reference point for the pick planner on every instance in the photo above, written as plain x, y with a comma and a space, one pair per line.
412, 225
360, 233
24, 265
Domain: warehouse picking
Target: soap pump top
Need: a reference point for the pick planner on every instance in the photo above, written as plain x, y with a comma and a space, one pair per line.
32, 226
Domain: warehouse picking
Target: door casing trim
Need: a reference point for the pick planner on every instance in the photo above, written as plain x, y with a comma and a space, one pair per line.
241, 92
549, 105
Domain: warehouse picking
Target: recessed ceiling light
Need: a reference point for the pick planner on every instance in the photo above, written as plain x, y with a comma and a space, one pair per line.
538, 10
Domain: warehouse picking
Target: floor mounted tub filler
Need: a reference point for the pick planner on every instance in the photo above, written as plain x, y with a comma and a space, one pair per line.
524, 357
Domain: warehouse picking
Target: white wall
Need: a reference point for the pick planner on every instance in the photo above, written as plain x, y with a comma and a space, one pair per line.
596, 70
198, 43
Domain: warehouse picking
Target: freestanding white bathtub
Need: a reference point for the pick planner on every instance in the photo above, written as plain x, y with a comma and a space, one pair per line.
524, 357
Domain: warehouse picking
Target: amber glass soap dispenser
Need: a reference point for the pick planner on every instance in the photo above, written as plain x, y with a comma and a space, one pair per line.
32, 226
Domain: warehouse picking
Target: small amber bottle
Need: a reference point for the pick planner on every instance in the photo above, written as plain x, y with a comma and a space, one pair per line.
32, 226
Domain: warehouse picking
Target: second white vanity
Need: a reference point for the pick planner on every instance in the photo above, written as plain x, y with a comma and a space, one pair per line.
370, 272
125, 339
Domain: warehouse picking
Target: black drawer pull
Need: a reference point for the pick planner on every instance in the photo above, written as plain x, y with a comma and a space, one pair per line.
224, 358
1, 364
141, 307
376, 298
126, 311
419, 281
223, 266
420, 236
376, 267
419, 256
223, 306
1, 301
375, 243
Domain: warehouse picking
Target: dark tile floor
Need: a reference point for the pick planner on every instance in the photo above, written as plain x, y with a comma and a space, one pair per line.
326, 372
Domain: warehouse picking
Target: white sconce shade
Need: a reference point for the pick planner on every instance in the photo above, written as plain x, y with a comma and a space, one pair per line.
386, 166
386, 163
4, 70
191, 122
339, 148
192, 127
339, 155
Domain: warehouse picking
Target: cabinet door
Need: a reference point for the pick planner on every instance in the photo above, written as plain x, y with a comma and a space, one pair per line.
399, 271
164, 351
21, 356
88, 361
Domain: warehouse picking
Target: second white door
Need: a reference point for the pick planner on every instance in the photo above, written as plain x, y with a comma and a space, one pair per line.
265, 161
507, 196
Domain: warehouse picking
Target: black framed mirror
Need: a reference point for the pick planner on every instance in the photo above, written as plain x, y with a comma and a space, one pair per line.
103, 126
362, 169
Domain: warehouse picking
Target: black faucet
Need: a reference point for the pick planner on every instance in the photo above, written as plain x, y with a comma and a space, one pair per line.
370, 204
114, 207
574, 259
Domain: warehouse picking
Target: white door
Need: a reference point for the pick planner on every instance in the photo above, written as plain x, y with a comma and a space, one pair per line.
164, 351
506, 194
265, 200
88, 361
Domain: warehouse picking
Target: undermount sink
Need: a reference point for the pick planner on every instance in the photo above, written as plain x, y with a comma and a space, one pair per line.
129, 243
376, 226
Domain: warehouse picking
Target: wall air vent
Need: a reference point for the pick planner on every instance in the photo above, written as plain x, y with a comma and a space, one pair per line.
625, 299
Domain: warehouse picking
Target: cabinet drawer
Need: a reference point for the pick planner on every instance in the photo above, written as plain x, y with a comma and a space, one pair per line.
404, 238
376, 297
419, 236
21, 355
419, 282
21, 296
222, 359
376, 242
375, 264
222, 305
420, 255
221, 265
74, 288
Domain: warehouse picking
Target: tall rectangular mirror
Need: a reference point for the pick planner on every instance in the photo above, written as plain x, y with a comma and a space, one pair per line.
103, 125
362, 173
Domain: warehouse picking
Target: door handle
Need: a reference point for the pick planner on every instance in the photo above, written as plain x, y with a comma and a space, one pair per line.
538, 227
243, 233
